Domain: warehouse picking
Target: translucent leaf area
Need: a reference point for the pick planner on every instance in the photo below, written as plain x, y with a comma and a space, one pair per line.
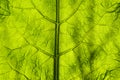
59, 39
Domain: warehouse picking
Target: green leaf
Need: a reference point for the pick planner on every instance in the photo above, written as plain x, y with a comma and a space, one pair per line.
59, 39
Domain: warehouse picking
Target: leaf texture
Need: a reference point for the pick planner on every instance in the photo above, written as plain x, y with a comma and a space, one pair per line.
59, 40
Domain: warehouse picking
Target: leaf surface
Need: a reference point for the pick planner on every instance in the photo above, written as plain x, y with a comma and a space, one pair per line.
59, 40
